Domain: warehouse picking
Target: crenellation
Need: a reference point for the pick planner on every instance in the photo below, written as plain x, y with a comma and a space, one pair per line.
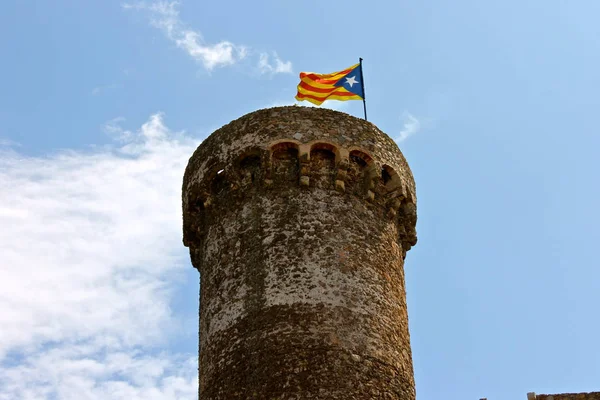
317, 164
293, 161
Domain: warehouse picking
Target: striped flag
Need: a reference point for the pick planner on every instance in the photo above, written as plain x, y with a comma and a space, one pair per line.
342, 85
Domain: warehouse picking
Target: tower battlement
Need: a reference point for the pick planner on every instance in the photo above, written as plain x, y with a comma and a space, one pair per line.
299, 220
340, 161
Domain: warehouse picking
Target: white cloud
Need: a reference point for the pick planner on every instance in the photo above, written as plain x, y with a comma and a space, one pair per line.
411, 126
165, 16
90, 254
77, 373
220, 54
278, 67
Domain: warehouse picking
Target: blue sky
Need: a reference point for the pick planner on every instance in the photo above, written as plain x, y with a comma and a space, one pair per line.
494, 104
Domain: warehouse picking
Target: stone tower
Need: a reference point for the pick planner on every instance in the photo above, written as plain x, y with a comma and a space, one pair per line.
299, 220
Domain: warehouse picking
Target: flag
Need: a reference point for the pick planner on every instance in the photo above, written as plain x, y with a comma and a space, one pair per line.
342, 85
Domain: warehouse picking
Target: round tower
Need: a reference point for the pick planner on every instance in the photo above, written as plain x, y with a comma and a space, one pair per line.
299, 220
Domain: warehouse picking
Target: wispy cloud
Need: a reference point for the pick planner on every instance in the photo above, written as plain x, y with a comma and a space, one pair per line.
90, 254
165, 16
411, 125
278, 66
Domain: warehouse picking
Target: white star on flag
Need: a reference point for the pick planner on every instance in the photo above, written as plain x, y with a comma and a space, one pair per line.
351, 81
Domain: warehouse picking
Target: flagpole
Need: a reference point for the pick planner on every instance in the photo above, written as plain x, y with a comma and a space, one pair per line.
362, 82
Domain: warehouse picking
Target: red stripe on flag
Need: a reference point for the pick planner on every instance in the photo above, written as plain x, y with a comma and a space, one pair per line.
317, 77
322, 99
316, 89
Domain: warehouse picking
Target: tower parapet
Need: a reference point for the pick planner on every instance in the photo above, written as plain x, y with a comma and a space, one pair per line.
299, 220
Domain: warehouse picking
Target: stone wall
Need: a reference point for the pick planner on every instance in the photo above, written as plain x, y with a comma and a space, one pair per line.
299, 220
564, 396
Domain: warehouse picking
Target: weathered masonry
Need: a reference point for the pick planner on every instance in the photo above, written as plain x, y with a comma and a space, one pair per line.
299, 220
564, 396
